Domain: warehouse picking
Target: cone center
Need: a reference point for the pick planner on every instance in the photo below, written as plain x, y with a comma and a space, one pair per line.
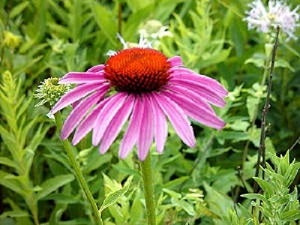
137, 70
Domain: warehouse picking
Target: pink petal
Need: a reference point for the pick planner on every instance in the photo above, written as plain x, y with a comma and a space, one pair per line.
186, 74
79, 112
82, 77
192, 96
204, 92
146, 130
116, 124
196, 112
175, 61
75, 94
160, 126
132, 133
88, 123
108, 112
177, 118
97, 68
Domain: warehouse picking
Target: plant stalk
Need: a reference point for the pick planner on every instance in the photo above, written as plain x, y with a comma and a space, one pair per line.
261, 158
120, 18
148, 189
78, 174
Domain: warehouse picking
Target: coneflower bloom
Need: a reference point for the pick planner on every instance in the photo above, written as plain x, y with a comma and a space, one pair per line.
145, 87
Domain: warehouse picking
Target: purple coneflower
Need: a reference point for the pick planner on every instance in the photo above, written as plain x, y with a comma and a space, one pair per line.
148, 88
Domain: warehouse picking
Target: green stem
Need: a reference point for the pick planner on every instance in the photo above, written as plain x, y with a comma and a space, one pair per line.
148, 189
263, 81
261, 159
267, 102
78, 173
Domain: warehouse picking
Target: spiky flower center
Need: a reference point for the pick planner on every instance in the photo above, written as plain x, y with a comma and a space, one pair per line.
137, 70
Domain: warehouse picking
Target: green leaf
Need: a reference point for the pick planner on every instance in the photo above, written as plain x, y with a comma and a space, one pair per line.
17, 10
252, 104
235, 136
7, 162
254, 135
265, 185
176, 182
185, 206
137, 4
254, 196
218, 151
53, 184
284, 64
239, 125
105, 21
291, 215
94, 162
14, 213
173, 194
258, 59
114, 196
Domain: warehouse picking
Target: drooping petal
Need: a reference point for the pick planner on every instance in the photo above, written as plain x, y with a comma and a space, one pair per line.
177, 118
146, 129
116, 124
205, 92
88, 123
192, 96
108, 112
160, 126
196, 112
82, 78
132, 132
76, 94
175, 61
96, 69
186, 74
79, 112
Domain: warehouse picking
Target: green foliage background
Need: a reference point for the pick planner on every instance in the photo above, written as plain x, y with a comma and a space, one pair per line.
192, 186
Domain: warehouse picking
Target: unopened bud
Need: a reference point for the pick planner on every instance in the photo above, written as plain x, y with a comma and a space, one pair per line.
50, 91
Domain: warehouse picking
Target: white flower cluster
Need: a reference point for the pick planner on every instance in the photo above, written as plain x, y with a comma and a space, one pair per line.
277, 14
151, 33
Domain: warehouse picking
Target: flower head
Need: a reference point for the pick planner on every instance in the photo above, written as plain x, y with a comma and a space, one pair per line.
144, 85
50, 91
277, 14
153, 31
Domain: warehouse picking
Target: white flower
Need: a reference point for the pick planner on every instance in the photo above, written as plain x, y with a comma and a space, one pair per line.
277, 14
152, 31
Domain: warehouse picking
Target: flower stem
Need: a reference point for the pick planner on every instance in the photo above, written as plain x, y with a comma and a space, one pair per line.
261, 158
78, 174
148, 189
